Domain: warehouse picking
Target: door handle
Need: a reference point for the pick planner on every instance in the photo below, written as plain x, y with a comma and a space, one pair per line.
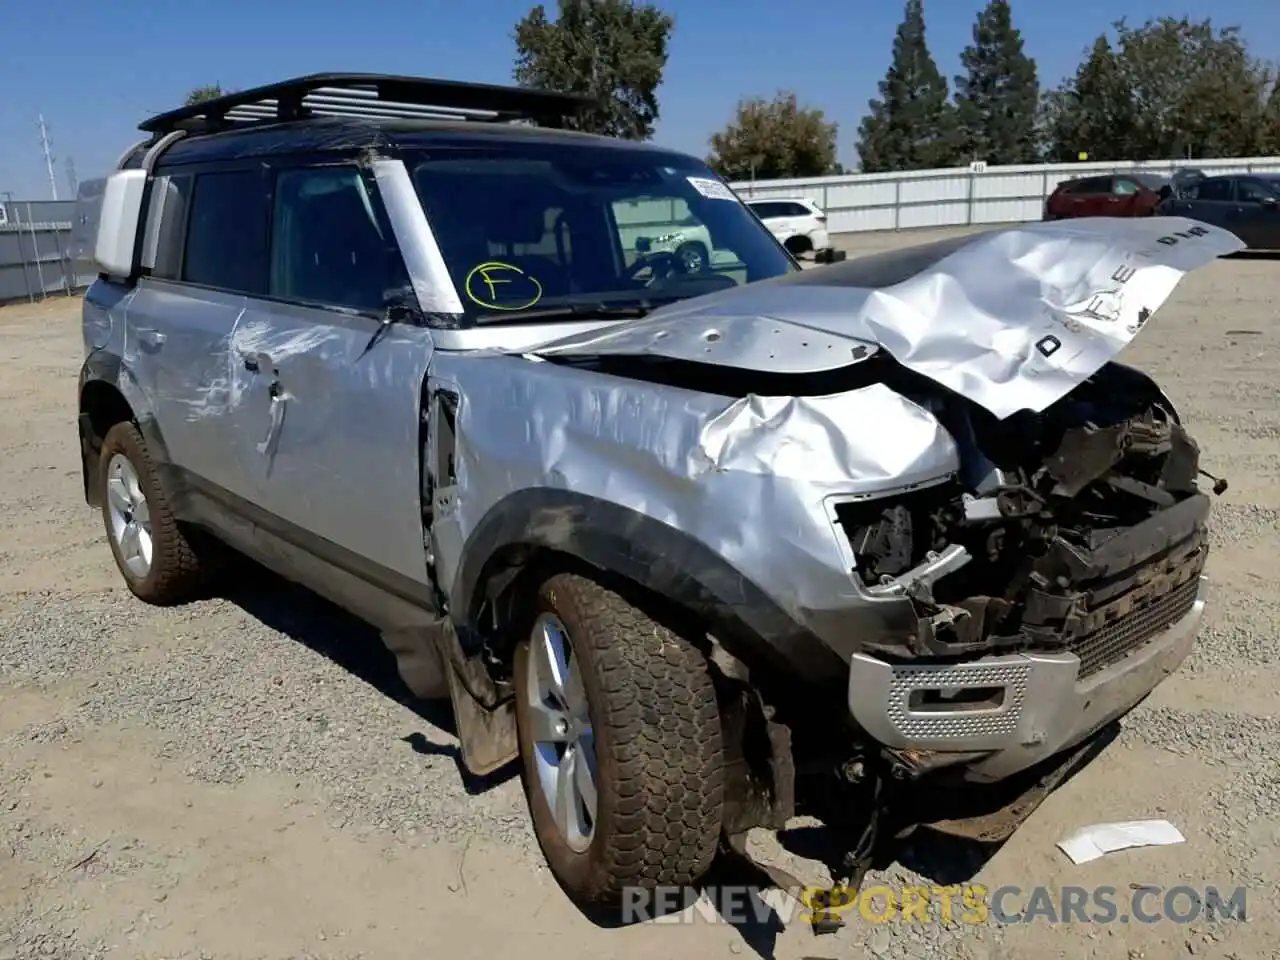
278, 400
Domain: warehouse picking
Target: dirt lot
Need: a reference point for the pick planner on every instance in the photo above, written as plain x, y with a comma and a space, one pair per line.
244, 777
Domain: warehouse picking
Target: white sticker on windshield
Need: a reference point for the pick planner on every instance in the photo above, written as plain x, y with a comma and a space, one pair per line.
712, 188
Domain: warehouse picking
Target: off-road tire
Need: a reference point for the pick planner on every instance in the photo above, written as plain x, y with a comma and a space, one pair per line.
175, 574
659, 760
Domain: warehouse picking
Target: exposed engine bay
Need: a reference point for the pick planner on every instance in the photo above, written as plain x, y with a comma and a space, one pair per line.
1067, 521
1081, 527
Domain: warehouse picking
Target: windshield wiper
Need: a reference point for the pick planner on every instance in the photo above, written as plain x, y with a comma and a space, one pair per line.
573, 311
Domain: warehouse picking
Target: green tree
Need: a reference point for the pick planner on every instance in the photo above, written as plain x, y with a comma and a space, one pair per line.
910, 126
999, 92
1269, 137
1093, 112
613, 51
1197, 90
201, 94
1172, 88
769, 139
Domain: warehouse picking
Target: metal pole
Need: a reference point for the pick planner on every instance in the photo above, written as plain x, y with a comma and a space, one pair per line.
35, 250
48, 158
64, 262
17, 235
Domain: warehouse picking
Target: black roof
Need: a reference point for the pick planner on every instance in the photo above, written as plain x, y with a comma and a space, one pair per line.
353, 136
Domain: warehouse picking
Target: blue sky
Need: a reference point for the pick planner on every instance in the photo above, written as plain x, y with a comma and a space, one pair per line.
95, 69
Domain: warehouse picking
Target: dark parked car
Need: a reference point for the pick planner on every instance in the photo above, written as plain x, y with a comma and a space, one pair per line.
1121, 195
1246, 204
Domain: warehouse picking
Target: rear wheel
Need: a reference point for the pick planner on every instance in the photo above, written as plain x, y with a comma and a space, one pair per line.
620, 738
152, 553
798, 245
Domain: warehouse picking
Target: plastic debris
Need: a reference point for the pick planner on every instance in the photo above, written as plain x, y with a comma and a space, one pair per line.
1089, 843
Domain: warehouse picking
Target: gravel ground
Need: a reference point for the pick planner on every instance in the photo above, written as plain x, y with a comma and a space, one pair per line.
245, 777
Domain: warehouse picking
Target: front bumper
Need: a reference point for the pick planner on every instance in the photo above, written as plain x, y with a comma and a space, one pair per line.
1020, 709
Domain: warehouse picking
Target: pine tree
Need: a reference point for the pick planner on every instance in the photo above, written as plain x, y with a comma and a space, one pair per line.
999, 92
1096, 113
910, 126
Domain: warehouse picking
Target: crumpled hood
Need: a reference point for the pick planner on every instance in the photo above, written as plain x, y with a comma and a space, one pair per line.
1012, 318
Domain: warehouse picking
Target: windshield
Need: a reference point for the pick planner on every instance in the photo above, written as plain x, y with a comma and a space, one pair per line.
535, 230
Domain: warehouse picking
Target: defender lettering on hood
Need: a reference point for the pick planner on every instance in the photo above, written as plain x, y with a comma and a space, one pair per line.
1012, 319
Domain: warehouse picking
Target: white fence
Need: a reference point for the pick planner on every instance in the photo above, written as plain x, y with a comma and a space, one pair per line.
960, 197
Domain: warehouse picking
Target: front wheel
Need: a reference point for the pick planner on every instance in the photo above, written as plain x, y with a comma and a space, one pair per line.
620, 738
694, 257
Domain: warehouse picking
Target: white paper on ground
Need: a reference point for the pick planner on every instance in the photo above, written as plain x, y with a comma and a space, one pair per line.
1089, 843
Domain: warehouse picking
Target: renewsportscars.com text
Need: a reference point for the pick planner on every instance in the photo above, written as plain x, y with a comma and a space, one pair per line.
970, 904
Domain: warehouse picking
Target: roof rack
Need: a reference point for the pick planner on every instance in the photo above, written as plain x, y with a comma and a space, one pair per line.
370, 96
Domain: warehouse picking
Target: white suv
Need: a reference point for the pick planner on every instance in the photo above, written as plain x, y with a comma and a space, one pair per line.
798, 223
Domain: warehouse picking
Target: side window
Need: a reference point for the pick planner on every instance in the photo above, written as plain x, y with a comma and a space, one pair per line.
166, 222
1251, 191
331, 242
227, 232
766, 211
1123, 188
1215, 190
1087, 185
798, 210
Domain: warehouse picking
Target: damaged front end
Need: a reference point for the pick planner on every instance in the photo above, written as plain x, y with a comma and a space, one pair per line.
1000, 560
936, 534
1072, 540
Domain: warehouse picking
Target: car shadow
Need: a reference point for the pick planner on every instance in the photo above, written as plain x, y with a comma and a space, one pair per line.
939, 859
357, 648
1254, 255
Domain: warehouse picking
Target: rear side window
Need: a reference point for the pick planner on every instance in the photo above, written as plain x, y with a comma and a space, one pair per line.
768, 210
166, 224
227, 237
798, 210
1124, 188
1219, 190
1087, 185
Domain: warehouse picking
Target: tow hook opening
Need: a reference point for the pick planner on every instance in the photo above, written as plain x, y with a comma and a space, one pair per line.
955, 699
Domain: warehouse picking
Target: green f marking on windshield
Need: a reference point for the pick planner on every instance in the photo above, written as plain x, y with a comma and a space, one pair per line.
485, 279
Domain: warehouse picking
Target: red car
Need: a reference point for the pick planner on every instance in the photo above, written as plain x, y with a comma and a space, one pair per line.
1119, 195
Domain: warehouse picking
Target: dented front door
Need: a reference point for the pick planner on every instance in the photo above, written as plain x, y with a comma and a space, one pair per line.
330, 428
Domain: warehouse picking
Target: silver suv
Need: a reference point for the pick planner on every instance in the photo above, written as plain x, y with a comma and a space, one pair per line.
702, 541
